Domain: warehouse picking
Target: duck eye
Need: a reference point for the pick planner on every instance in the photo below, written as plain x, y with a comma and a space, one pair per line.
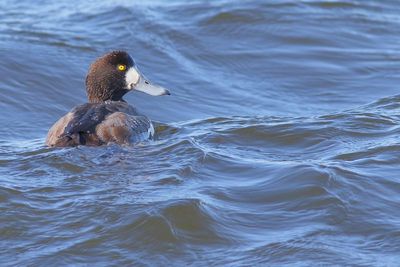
121, 67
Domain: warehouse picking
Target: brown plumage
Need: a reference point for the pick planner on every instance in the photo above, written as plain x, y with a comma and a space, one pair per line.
107, 118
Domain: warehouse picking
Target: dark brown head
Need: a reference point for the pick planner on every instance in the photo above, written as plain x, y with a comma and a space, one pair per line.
111, 76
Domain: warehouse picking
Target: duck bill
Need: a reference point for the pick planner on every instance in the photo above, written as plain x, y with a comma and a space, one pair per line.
136, 81
147, 87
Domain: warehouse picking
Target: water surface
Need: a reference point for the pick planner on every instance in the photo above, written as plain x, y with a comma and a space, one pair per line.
279, 146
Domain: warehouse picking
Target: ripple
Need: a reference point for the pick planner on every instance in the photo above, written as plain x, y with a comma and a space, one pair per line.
237, 17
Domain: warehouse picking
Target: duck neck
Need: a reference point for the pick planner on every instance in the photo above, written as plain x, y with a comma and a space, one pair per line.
105, 96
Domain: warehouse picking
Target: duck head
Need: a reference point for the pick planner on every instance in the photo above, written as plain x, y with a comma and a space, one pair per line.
113, 75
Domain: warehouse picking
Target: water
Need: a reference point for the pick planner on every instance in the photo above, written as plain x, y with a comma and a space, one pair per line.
279, 146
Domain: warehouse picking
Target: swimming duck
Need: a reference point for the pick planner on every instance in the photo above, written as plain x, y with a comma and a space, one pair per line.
107, 118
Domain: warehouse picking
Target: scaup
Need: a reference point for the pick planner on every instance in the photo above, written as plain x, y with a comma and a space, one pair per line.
107, 118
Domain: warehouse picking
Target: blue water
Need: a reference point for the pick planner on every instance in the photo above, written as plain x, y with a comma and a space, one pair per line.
279, 145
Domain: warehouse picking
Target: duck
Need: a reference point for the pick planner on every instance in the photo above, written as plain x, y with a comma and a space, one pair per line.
106, 117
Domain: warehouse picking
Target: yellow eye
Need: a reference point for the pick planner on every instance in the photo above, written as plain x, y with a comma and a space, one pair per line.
121, 67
